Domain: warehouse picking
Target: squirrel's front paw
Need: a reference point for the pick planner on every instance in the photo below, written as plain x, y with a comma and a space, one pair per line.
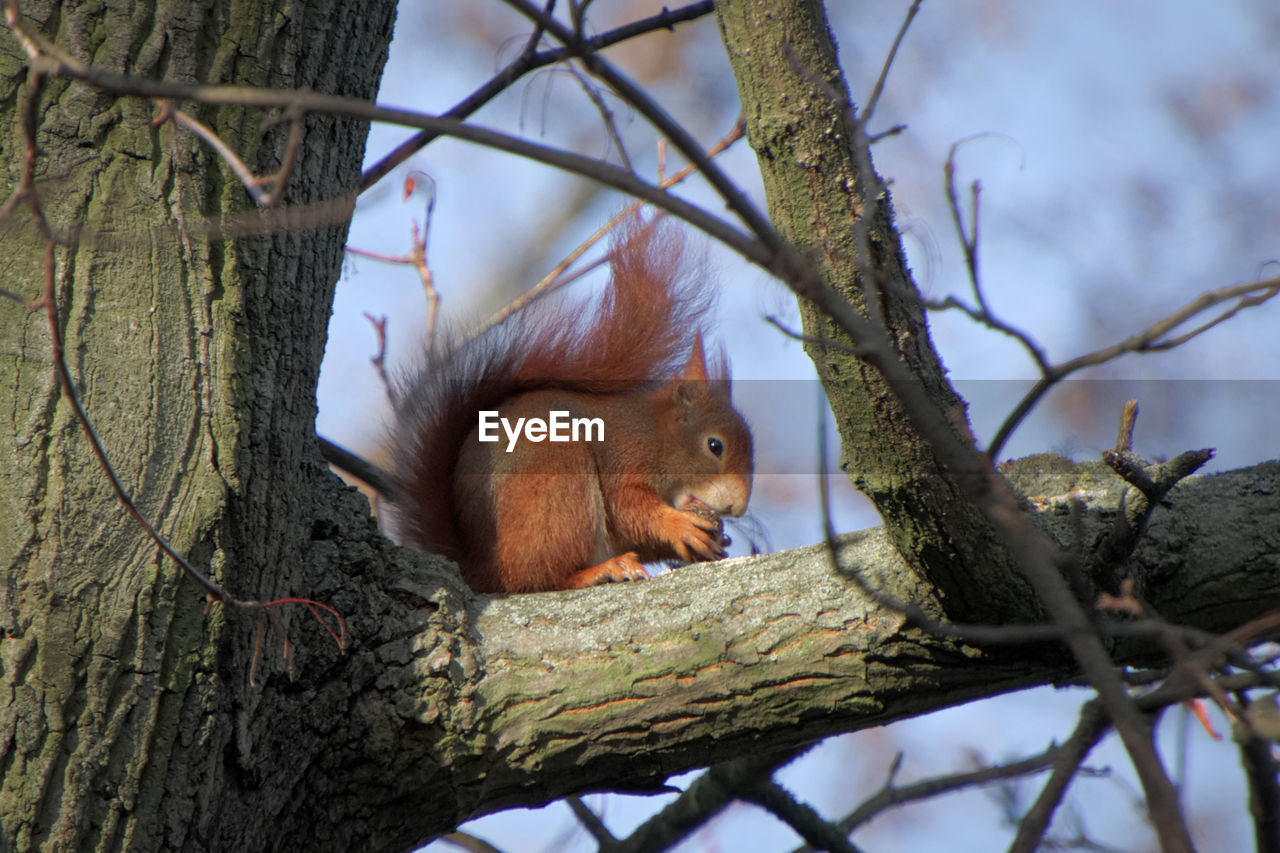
693, 536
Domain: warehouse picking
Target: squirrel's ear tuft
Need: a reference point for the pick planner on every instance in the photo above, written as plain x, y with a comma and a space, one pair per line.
695, 369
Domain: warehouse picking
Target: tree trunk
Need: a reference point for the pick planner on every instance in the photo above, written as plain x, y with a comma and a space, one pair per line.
130, 722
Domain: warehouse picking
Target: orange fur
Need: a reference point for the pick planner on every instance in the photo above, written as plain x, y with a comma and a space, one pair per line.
564, 515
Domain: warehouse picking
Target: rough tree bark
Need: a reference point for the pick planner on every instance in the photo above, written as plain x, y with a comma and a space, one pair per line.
126, 707
128, 720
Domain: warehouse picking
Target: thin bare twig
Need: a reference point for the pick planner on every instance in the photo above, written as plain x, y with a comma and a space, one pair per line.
1128, 419
529, 60
969, 242
873, 100
1151, 339
556, 279
765, 255
591, 822
872, 279
819, 833
891, 796
265, 190
708, 795
1147, 341
1066, 762
379, 358
606, 115
416, 258
736, 200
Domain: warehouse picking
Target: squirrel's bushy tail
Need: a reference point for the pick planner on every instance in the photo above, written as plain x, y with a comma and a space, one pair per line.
640, 333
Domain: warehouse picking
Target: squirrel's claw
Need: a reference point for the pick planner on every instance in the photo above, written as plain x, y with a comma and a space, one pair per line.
624, 567
694, 538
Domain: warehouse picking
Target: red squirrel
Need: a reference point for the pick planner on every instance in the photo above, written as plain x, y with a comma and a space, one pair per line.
524, 513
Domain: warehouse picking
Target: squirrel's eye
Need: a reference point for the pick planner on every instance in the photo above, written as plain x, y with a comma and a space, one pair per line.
716, 446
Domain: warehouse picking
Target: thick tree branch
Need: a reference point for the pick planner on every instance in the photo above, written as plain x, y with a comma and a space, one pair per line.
630, 684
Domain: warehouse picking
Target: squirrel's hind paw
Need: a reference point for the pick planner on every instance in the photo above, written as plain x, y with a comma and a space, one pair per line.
624, 567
